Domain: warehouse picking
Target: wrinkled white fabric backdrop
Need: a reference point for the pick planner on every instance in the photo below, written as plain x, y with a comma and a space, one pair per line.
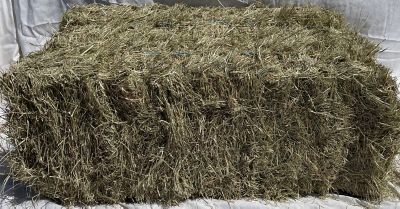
8, 41
25, 26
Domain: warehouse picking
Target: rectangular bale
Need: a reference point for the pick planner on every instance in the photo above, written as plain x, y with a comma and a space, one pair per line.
162, 104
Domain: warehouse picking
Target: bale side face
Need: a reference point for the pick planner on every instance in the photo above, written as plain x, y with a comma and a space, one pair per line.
162, 104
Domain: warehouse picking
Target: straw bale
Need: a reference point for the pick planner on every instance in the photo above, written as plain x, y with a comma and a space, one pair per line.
162, 104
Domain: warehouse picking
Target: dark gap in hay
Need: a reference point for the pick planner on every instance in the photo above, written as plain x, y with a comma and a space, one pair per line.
162, 104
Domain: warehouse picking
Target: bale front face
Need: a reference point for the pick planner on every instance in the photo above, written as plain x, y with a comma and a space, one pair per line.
162, 104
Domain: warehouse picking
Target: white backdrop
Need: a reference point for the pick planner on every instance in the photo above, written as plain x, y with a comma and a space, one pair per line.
8, 41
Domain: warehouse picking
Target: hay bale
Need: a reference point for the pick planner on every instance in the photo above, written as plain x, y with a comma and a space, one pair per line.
162, 104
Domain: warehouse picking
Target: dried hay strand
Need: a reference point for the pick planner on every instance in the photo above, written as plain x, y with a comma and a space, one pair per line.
162, 104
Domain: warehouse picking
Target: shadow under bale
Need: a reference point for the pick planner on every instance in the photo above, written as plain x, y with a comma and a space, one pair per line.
162, 104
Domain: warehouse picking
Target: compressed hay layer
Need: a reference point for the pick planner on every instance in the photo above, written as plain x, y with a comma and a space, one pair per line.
162, 104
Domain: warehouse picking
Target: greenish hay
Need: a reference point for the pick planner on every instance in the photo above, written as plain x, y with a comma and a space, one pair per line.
161, 104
